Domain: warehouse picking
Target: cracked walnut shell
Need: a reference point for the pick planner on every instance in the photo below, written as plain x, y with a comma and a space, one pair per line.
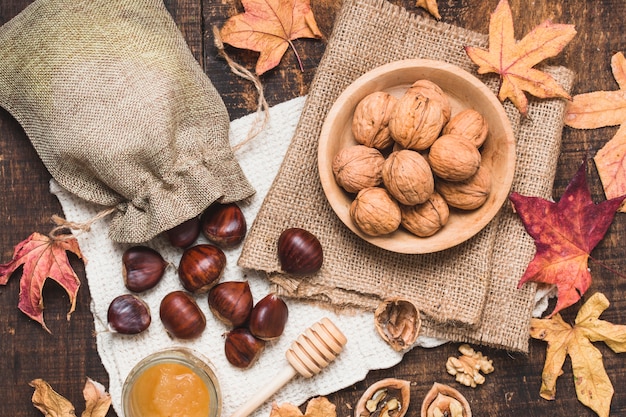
408, 177
358, 167
470, 124
398, 322
388, 397
370, 123
443, 400
454, 158
375, 212
425, 219
469, 194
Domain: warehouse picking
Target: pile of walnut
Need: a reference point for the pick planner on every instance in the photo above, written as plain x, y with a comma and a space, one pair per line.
434, 163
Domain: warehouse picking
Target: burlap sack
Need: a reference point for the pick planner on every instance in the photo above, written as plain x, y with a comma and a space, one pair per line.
119, 111
467, 293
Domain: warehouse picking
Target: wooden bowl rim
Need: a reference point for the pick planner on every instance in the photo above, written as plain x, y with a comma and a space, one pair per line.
403, 241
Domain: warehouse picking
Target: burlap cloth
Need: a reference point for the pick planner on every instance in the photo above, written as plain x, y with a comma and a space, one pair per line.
467, 293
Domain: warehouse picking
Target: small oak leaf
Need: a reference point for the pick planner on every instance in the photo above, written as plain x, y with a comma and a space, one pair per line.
565, 233
41, 258
606, 108
514, 61
593, 386
269, 27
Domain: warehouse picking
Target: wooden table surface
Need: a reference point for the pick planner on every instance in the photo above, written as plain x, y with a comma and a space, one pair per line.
68, 355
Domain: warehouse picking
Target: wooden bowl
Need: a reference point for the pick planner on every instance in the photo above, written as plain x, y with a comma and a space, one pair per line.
464, 91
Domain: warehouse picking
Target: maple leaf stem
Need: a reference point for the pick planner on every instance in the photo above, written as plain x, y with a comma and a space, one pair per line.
295, 51
597, 262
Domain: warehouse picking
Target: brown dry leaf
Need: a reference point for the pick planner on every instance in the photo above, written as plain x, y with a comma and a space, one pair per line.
606, 108
49, 402
514, 61
593, 387
317, 407
97, 400
431, 6
269, 27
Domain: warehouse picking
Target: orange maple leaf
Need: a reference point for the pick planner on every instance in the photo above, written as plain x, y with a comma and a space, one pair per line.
269, 27
42, 258
606, 108
565, 233
593, 386
514, 61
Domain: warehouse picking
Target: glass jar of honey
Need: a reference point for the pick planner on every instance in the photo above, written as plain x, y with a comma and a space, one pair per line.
174, 382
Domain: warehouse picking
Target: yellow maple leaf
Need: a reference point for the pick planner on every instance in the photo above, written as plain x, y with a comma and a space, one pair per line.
606, 108
514, 61
593, 386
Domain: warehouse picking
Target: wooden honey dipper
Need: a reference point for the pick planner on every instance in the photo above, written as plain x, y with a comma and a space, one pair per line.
311, 352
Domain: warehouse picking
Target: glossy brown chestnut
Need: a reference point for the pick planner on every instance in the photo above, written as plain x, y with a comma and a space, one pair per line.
201, 267
231, 302
142, 268
242, 349
299, 252
181, 316
224, 224
268, 317
128, 314
185, 234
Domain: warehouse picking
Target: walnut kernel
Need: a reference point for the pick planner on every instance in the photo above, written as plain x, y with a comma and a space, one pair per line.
375, 212
388, 397
454, 158
408, 177
370, 123
357, 167
468, 367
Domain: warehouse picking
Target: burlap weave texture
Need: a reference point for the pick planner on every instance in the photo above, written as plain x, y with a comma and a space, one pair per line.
119, 111
467, 293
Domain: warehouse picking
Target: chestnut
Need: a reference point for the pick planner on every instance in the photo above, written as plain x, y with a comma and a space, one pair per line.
299, 252
181, 316
242, 349
186, 233
142, 268
128, 314
268, 317
201, 267
224, 224
231, 302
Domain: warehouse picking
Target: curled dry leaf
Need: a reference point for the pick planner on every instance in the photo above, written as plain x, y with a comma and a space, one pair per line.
468, 367
514, 61
606, 108
430, 6
443, 400
97, 400
50, 402
593, 386
398, 322
388, 397
317, 407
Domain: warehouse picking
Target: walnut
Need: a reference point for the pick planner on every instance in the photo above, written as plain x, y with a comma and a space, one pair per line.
375, 212
370, 123
444, 401
468, 367
388, 397
470, 124
469, 194
417, 120
434, 92
454, 158
357, 167
398, 322
408, 177
425, 219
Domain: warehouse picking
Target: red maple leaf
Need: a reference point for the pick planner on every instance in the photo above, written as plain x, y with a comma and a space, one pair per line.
42, 258
565, 233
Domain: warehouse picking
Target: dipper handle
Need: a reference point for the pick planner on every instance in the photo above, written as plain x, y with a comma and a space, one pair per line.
311, 352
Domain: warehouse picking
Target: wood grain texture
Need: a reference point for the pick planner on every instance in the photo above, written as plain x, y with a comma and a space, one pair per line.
68, 356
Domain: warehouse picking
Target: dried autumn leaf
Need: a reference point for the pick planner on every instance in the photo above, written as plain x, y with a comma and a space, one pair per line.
317, 407
565, 233
606, 108
42, 258
593, 386
49, 402
514, 61
269, 27
97, 400
430, 6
